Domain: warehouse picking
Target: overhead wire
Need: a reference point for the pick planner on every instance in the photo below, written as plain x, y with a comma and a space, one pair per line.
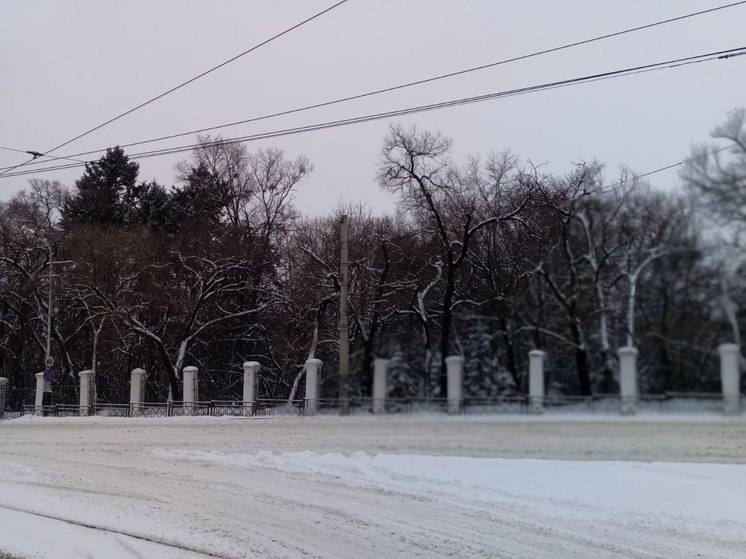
673, 63
6, 148
613, 186
187, 82
430, 79
36, 155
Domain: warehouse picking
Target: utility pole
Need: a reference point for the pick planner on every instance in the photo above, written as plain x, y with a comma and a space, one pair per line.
48, 360
48, 357
344, 326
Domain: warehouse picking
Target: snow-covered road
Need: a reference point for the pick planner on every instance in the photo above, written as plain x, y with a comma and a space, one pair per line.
361, 487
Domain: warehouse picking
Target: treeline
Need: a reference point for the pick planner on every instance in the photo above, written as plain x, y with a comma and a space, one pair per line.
486, 259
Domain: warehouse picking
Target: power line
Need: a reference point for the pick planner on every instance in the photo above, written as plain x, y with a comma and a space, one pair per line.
720, 55
36, 155
6, 148
678, 62
610, 187
190, 80
426, 80
41, 158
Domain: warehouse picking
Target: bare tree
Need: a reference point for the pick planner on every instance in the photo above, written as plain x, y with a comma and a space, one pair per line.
562, 267
415, 165
717, 176
720, 179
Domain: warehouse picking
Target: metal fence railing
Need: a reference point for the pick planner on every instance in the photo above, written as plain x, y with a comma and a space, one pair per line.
3, 392
601, 403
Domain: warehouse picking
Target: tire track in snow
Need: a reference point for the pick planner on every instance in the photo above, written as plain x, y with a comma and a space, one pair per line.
126, 533
468, 527
299, 514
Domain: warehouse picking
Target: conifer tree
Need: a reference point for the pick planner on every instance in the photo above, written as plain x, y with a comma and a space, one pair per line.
99, 199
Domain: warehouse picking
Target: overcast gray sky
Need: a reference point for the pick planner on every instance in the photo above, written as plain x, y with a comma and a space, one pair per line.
68, 65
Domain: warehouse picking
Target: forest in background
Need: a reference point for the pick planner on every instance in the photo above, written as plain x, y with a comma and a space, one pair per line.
486, 258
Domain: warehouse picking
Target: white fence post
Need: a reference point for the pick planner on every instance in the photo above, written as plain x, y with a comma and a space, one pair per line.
380, 369
137, 391
455, 381
191, 390
250, 372
628, 380
3, 392
86, 392
536, 381
312, 386
41, 384
730, 378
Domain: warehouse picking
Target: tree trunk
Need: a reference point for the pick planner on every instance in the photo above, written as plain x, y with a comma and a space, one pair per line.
369, 342
168, 367
367, 368
428, 362
510, 352
445, 330
20, 379
608, 385
665, 357
582, 362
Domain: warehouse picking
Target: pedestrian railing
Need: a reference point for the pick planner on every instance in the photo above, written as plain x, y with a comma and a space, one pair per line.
263, 407
3, 391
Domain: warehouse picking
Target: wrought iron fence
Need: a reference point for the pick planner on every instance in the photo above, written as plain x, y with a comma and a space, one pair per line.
600, 403
3, 392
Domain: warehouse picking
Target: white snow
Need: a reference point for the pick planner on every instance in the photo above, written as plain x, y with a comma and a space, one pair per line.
42, 537
295, 487
698, 494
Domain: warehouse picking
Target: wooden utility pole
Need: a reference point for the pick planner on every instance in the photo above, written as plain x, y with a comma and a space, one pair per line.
344, 327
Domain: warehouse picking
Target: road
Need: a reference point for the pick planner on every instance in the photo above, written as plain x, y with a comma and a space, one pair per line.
300, 487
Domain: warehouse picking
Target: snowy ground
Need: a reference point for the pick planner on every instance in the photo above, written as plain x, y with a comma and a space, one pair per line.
570, 486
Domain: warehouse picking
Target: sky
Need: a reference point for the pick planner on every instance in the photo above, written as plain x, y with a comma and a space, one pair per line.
67, 65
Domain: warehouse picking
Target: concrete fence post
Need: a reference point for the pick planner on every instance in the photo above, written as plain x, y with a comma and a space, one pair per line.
455, 382
313, 366
87, 395
628, 380
41, 385
191, 390
3, 392
536, 381
137, 391
730, 378
380, 370
250, 375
